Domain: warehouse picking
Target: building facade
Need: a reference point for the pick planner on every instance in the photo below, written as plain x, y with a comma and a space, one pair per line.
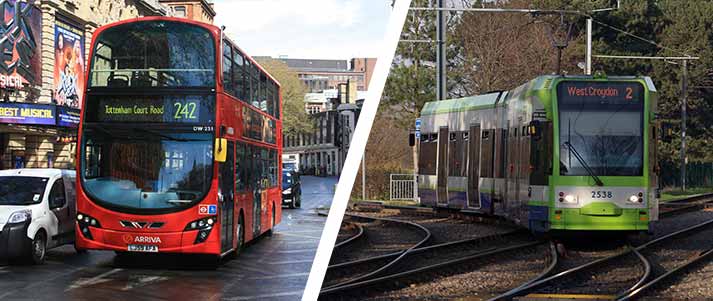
43, 71
320, 75
197, 10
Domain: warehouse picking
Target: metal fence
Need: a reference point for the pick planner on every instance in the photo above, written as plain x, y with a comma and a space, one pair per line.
403, 187
697, 174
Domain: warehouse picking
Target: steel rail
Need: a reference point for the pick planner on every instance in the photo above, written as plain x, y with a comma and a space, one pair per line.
637, 292
424, 249
477, 255
352, 238
509, 295
392, 262
544, 273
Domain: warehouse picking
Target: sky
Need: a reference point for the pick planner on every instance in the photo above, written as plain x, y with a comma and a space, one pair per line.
310, 29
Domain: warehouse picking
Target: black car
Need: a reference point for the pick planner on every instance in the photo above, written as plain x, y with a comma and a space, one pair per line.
291, 189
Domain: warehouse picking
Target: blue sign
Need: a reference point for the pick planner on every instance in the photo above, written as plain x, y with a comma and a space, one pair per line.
212, 209
68, 117
27, 113
418, 128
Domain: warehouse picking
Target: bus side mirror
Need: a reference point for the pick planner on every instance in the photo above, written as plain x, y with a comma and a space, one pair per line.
221, 150
666, 132
411, 139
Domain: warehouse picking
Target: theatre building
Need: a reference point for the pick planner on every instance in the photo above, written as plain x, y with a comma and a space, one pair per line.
42, 72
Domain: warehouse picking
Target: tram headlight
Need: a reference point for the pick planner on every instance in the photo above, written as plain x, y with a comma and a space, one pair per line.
570, 199
634, 198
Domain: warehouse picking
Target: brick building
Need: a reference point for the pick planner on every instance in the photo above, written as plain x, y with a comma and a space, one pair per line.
198, 10
42, 82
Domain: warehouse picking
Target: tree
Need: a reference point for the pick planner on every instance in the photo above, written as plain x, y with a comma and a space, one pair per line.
294, 117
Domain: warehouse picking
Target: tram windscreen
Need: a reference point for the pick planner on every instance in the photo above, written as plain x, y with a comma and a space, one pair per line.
603, 123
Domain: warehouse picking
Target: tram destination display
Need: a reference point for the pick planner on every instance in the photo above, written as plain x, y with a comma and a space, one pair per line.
577, 92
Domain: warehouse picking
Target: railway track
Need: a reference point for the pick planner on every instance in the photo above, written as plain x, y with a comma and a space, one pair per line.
336, 278
683, 205
538, 290
342, 242
431, 260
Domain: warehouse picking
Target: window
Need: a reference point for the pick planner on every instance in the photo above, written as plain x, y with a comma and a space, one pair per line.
228, 68
427, 156
241, 167
239, 74
57, 198
180, 11
153, 54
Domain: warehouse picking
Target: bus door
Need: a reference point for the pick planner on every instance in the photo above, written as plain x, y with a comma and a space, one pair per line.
473, 194
227, 202
257, 190
442, 167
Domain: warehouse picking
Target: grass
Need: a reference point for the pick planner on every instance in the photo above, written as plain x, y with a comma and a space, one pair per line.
675, 194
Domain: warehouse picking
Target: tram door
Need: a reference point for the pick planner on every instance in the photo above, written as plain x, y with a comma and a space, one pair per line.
442, 167
227, 204
473, 167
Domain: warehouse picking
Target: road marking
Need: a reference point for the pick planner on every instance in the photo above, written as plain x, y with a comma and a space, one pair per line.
279, 276
296, 251
290, 262
81, 282
298, 235
299, 293
569, 296
141, 280
39, 283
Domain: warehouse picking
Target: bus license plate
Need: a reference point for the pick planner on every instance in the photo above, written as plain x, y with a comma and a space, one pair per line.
143, 248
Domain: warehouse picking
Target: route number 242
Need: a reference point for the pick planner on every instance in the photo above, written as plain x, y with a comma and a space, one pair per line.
185, 110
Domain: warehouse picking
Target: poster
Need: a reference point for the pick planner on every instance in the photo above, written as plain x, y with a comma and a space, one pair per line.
69, 65
20, 40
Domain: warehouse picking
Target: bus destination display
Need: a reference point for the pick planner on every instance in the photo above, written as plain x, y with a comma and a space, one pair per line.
153, 110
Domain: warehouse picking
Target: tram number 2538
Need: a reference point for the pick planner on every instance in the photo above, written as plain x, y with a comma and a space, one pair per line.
602, 194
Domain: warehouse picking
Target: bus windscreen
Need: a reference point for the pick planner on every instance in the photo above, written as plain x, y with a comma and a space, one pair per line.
153, 54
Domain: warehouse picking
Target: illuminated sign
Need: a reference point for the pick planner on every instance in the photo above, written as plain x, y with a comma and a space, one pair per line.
21, 113
154, 110
67, 117
573, 92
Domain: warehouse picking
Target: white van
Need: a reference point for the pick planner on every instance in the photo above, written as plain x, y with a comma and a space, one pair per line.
37, 210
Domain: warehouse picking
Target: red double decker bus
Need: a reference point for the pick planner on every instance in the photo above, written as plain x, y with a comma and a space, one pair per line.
180, 141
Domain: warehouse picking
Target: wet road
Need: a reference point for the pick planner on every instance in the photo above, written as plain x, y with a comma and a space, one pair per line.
271, 268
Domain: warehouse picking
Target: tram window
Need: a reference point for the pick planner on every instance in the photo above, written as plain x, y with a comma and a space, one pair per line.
427, 157
541, 156
486, 150
457, 156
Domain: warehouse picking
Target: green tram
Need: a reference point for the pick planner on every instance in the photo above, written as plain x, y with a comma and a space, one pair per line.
557, 153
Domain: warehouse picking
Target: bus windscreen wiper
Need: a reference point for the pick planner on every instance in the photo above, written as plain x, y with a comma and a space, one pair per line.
584, 163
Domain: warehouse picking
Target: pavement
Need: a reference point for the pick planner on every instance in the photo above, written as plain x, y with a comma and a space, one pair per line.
271, 268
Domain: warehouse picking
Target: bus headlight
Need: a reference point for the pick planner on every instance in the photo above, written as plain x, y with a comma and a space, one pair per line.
287, 191
85, 221
204, 226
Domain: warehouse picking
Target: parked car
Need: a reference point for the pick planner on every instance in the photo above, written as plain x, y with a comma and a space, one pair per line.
291, 189
37, 211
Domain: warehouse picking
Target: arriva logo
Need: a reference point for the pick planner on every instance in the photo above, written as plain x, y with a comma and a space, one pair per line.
147, 239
